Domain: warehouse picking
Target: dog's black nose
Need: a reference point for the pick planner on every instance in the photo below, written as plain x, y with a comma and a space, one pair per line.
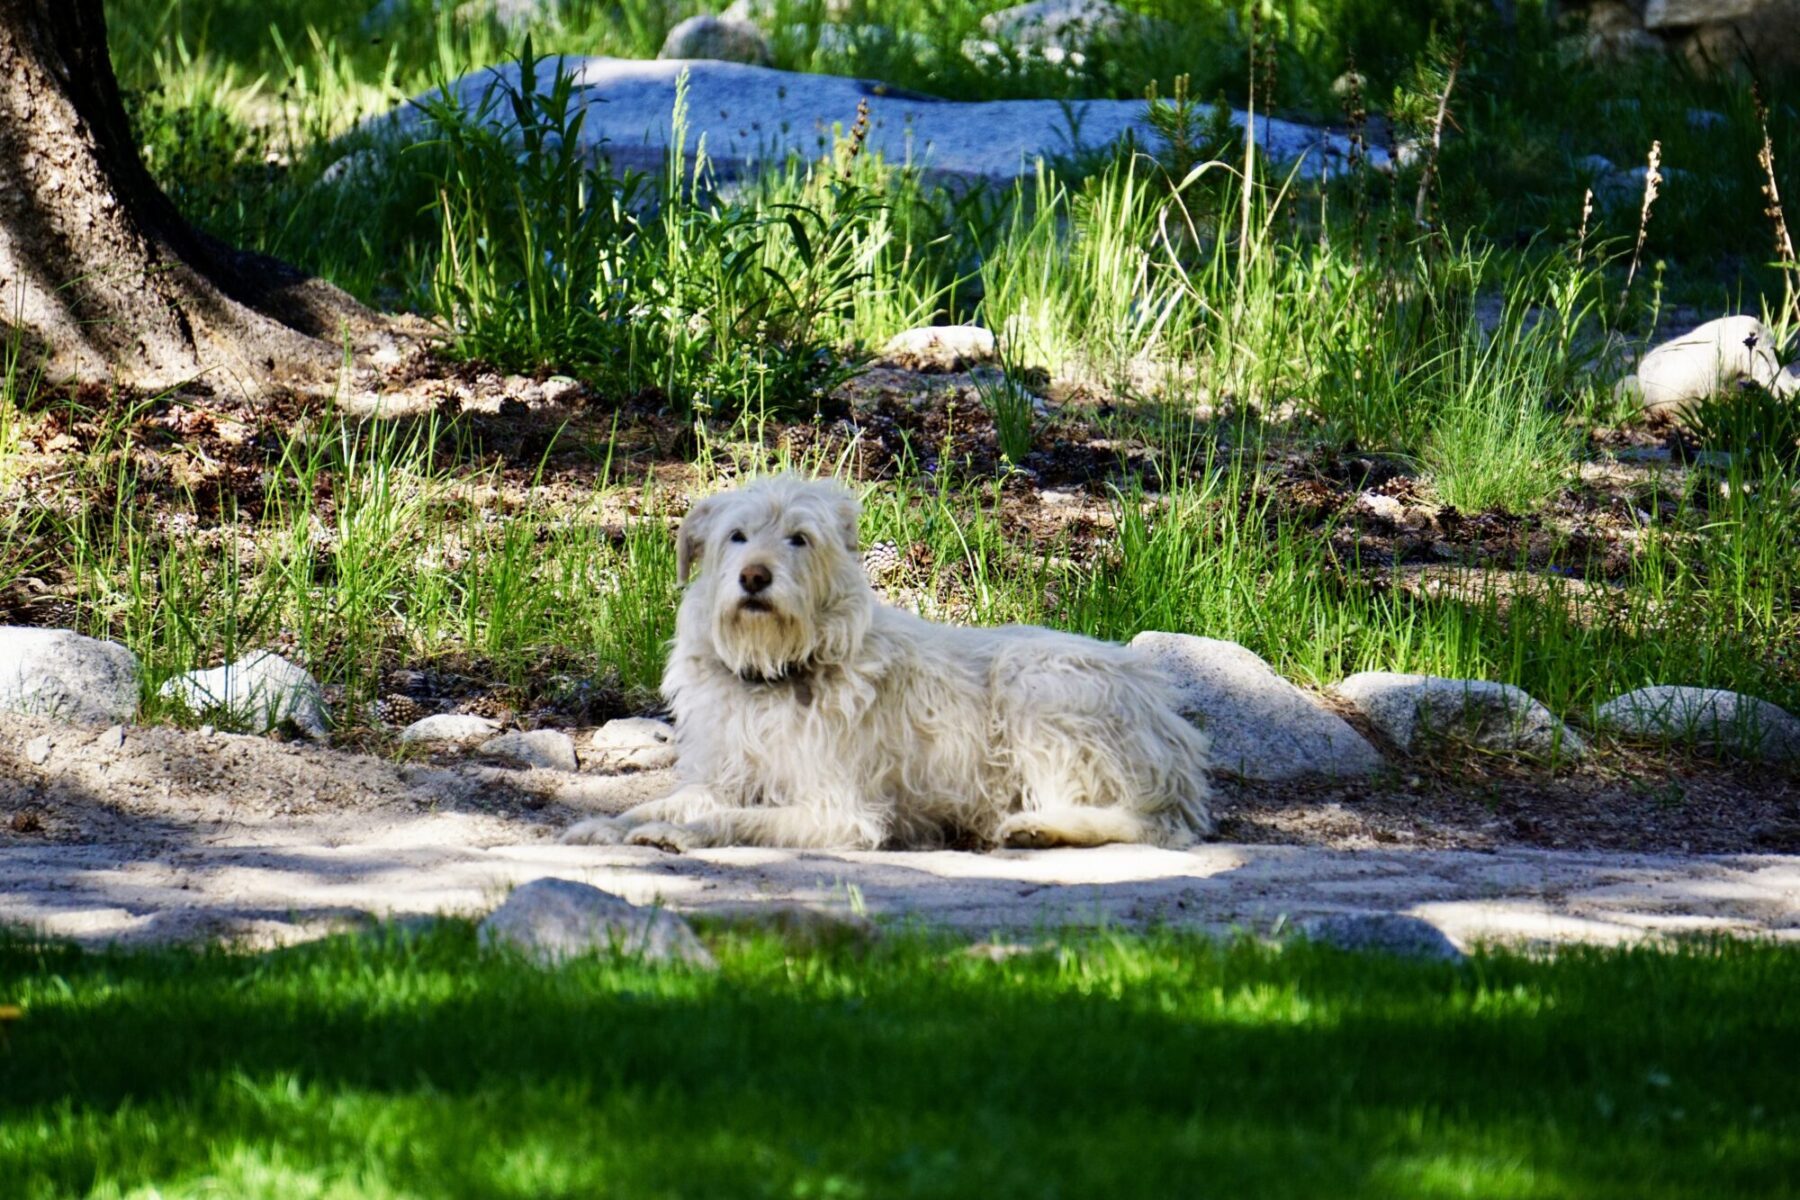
754, 578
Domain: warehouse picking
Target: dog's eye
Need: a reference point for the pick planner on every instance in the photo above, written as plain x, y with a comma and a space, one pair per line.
737, 535
798, 539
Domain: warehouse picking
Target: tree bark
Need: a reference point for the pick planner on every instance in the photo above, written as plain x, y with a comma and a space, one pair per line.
100, 277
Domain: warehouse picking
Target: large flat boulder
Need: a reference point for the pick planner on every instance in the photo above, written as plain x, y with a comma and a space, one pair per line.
752, 116
59, 673
1262, 726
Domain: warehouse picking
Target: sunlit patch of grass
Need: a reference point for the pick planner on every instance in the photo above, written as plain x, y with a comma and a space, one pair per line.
1112, 1063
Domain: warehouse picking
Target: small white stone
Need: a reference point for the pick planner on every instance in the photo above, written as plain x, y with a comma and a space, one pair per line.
631, 744
37, 750
941, 348
1707, 361
449, 727
112, 738
549, 749
259, 692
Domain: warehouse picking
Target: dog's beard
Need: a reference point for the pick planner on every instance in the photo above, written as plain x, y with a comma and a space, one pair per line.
762, 639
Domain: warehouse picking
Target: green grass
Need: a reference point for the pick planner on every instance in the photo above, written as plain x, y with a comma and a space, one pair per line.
1151, 1065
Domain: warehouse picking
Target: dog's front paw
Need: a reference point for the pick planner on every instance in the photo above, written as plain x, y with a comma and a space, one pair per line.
676, 839
1025, 831
595, 831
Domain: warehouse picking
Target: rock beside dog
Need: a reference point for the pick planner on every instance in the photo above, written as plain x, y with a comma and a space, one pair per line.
553, 920
1262, 726
941, 348
451, 728
1709, 717
59, 673
257, 693
1415, 710
630, 744
1706, 361
548, 749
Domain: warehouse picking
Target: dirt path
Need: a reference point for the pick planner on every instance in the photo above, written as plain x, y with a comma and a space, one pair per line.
166, 834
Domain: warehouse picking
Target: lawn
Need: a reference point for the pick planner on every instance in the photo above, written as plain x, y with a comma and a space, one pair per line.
1102, 1064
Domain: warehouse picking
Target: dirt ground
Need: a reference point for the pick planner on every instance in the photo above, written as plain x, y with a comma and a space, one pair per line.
152, 834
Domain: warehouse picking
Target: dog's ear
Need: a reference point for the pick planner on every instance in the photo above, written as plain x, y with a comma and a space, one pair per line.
692, 539
847, 510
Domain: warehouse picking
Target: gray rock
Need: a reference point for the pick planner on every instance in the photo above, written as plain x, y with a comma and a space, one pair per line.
551, 749
761, 12
1064, 24
841, 41
449, 727
754, 116
1706, 361
941, 348
257, 693
1787, 384
1709, 717
58, 673
631, 744
1676, 14
1262, 726
37, 750
723, 38
513, 14
1414, 710
1382, 933
551, 920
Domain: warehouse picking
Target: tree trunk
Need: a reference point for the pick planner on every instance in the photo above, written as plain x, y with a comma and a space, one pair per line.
99, 275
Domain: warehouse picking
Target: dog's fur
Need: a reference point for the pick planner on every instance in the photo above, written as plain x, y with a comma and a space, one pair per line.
808, 713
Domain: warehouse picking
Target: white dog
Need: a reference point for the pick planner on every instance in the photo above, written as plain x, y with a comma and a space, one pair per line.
808, 713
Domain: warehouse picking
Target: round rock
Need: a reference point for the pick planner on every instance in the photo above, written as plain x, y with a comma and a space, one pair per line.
449, 727
941, 348
1415, 710
550, 749
1382, 933
1262, 726
1720, 720
1704, 362
59, 673
631, 744
722, 38
257, 693
551, 920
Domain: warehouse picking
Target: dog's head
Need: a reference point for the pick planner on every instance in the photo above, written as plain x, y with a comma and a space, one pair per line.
777, 585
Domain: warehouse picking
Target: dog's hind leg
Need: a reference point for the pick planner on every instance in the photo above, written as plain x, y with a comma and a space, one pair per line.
1083, 825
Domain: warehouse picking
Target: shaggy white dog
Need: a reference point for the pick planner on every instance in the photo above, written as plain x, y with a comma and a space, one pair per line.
808, 713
